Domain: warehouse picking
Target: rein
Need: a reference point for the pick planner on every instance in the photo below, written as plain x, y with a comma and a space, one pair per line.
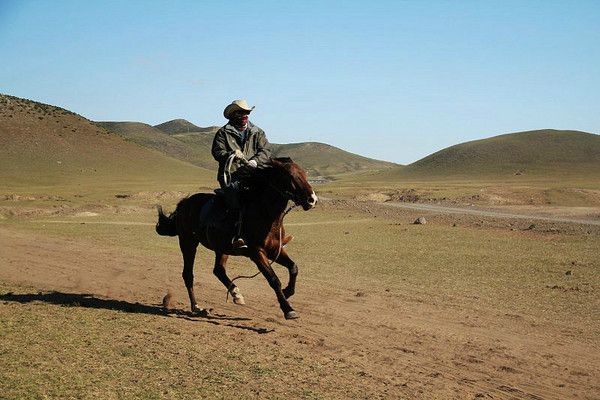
286, 194
227, 170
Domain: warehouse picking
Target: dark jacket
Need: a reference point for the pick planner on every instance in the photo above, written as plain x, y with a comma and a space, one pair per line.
227, 140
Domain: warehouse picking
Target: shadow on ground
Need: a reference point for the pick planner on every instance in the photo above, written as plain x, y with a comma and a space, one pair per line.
90, 301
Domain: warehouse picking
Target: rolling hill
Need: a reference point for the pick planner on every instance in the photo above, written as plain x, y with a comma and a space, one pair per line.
321, 159
545, 152
172, 138
183, 126
46, 145
42, 143
193, 151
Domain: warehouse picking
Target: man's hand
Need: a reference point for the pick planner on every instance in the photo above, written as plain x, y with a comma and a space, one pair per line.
239, 155
252, 163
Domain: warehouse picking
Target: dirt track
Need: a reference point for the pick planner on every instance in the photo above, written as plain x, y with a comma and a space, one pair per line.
370, 342
436, 208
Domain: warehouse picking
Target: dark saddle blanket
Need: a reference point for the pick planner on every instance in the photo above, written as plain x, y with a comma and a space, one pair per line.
217, 214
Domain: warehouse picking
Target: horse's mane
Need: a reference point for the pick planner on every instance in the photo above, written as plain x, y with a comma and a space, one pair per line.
255, 180
261, 174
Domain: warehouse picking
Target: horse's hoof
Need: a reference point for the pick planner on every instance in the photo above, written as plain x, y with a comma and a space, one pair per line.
200, 312
237, 296
291, 315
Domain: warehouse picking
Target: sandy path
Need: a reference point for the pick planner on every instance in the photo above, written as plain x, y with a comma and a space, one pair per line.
405, 343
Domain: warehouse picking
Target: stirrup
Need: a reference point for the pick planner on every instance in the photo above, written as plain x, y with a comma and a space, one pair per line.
238, 243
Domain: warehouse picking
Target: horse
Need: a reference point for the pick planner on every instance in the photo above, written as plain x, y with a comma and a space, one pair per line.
197, 219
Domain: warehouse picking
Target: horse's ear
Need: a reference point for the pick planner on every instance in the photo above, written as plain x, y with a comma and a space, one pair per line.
283, 160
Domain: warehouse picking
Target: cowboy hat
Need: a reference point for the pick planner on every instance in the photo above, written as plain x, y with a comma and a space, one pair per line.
235, 106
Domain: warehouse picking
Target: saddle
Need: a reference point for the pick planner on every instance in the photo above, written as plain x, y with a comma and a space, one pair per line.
221, 213
216, 214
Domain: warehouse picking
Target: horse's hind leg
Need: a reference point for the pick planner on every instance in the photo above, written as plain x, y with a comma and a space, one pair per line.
285, 260
221, 274
188, 250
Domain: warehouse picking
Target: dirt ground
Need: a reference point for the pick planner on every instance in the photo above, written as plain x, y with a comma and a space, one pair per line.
353, 340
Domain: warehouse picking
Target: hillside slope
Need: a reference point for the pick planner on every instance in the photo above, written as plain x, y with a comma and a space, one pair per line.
195, 147
171, 145
321, 159
45, 145
542, 152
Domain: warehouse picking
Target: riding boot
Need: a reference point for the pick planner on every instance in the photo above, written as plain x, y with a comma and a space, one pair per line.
238, 242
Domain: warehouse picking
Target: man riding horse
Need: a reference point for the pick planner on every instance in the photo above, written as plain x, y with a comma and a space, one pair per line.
238, 144
267, 186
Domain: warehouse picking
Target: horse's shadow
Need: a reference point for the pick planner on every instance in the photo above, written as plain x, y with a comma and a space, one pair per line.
90, 301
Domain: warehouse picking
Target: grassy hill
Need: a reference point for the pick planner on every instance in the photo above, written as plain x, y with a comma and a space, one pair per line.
545, 167
194, 150
183, 126
545, 152
321, 159
201, 143
317, 158
43, 145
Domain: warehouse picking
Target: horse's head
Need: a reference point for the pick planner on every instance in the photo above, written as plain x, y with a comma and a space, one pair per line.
287, 178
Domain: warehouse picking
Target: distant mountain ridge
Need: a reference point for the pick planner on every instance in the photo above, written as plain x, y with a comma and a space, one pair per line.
194, 146
182, 126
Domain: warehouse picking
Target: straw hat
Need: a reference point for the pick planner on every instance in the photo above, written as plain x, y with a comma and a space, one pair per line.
235, 106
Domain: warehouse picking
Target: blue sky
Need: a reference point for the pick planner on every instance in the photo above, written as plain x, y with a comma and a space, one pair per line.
393, 80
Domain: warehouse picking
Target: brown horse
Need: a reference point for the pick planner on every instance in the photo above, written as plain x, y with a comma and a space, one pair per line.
200, 219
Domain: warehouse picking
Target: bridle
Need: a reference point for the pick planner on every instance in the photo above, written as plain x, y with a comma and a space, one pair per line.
286, 194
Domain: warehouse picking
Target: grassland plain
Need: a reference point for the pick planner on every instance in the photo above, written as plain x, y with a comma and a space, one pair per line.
388, 310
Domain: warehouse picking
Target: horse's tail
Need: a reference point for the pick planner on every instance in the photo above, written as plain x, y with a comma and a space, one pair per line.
166, 225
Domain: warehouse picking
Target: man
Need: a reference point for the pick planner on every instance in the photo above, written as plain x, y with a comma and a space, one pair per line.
240, 137
244, 140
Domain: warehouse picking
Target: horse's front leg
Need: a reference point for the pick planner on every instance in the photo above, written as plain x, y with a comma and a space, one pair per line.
188, 248
285, 260
262, 262
221, 274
